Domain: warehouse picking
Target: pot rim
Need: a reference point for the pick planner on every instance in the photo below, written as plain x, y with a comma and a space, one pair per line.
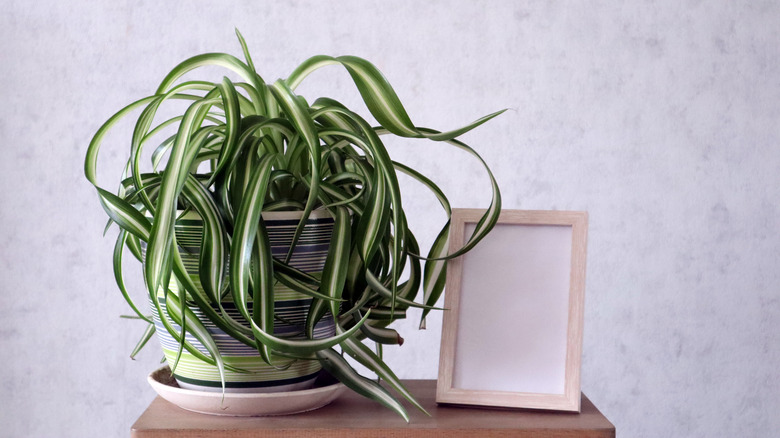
319, 213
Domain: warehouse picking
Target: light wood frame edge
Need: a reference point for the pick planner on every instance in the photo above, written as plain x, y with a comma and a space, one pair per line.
570, 400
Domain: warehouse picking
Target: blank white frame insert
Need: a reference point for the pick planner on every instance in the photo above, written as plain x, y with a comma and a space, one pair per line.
512, 334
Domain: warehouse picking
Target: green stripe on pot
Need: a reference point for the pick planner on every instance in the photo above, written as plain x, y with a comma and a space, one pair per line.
192, 373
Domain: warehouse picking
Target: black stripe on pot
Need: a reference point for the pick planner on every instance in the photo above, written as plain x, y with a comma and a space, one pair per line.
247, 384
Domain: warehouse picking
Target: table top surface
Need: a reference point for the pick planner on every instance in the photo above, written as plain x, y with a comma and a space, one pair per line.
354, 416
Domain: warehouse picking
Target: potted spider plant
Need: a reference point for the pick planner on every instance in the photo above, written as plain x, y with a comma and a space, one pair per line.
276, 224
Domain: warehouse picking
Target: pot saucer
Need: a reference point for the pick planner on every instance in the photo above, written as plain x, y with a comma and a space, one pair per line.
244, 404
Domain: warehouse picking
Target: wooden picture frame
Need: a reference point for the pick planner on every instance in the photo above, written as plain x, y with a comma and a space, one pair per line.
512, 331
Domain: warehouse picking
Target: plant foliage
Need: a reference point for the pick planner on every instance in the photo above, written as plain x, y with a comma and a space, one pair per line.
244, 147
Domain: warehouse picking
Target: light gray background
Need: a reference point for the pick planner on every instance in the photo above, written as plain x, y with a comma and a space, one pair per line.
661, 119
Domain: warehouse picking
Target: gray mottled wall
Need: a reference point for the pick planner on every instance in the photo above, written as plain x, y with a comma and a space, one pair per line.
662, 119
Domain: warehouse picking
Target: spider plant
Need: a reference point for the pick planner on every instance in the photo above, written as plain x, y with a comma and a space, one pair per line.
245, 146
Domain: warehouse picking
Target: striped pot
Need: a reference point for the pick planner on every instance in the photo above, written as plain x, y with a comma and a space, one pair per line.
291, 308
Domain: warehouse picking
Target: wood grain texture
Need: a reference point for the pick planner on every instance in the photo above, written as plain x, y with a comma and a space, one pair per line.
352, 416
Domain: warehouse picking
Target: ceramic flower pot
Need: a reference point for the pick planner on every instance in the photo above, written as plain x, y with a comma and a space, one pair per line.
291, 309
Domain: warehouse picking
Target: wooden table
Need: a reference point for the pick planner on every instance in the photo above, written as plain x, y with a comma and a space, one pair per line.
354, 416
